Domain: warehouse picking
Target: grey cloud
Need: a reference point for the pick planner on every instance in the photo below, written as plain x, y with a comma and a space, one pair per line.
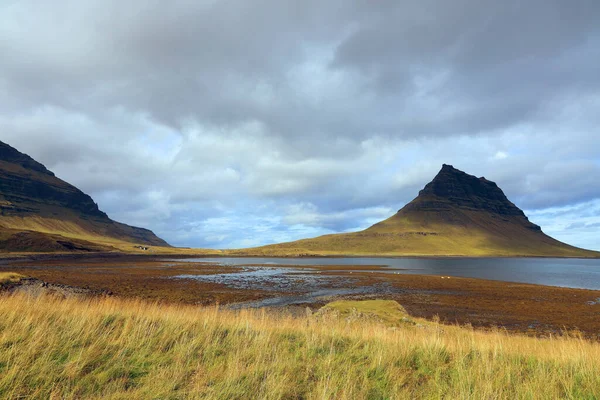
307, 214
208, 121
501, 62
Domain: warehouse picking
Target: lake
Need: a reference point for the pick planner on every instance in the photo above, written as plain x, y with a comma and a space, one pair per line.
565, 272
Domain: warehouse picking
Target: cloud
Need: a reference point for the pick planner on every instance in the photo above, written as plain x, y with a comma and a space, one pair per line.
228, 123
308, 215
575, 224
500, 155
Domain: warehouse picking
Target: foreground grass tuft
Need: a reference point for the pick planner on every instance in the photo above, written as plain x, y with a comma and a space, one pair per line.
123, 349
388, 312
10, 277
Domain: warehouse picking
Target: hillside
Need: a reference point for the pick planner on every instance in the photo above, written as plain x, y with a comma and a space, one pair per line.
456, 214
40, 212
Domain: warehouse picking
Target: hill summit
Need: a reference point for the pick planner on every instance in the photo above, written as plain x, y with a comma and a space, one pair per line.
454, 188
40, 212
454, 197
456, 214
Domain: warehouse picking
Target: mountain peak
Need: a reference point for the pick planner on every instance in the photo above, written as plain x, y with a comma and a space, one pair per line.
455, 214
454, 188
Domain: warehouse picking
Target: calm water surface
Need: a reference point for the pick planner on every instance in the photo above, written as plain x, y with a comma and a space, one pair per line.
573, 273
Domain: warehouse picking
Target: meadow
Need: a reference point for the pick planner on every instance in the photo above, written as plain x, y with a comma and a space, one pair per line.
113, 348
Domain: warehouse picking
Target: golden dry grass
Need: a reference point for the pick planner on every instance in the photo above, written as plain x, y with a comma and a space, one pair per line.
67, 226
387, 311
71, 228
10, 277
122, 349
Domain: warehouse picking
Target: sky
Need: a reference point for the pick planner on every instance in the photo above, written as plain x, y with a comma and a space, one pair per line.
235, 123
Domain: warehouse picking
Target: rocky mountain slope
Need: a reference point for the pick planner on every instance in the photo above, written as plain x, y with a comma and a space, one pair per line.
456, 214
40, 212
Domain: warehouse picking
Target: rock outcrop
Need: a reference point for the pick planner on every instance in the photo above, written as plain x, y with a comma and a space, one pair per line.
455, 189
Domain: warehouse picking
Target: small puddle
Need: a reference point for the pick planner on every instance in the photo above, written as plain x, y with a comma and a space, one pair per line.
304, 286
271, 279
308, 298
594, 302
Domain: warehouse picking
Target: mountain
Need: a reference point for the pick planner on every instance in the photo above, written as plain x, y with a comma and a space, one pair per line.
40, 212
456, 214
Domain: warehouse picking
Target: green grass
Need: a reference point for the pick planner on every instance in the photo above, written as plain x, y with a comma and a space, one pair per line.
386, 311
121, 349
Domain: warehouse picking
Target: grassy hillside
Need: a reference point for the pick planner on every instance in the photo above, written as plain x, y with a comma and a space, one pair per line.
39, 233
456, 214
117, 349
56, 229
473, 233
40, 212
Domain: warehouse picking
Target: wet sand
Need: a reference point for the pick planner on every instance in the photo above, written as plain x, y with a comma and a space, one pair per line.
525, 308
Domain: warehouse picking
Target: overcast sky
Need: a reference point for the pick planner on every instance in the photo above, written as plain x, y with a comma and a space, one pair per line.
237, 123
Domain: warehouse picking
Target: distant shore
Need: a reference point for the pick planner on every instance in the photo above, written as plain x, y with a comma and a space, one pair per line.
205, 253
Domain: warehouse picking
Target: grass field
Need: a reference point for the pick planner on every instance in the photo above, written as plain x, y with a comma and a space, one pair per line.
123, 349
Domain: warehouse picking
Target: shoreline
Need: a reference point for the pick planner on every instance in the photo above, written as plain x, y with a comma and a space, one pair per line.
72, 255
532, 309
153, 258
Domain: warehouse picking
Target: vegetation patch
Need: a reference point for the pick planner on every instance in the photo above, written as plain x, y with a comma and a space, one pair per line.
10, 277
388, 312
111, 348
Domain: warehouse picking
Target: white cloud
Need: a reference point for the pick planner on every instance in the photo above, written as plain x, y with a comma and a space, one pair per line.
500, 155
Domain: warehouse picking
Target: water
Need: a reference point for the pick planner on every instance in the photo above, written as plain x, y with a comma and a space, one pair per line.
264, 278
572, 273
321, 295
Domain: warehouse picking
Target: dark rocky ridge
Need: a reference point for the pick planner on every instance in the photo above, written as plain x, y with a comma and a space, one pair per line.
11, 155
452, 188
27, 185
28, 188
24, 193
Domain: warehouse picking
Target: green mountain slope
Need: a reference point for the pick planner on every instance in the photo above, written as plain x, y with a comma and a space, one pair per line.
456, 214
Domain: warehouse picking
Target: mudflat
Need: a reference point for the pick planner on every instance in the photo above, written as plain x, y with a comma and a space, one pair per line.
521, 308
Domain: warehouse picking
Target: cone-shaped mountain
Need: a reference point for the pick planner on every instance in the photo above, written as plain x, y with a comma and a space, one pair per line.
454, 188
453, 195
456, 214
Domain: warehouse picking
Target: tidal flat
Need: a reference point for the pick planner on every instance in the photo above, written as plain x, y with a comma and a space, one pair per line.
531, 309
